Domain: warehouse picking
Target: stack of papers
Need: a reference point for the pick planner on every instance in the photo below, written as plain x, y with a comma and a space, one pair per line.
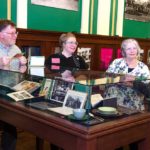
36, 65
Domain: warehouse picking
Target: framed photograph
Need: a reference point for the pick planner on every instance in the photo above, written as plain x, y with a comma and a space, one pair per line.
59, 90
75, 99
45, 87
137, 10
85, 53
20, 95
63, 4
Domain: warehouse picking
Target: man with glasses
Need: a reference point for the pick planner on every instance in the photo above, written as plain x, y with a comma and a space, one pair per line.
9, 53
8, 50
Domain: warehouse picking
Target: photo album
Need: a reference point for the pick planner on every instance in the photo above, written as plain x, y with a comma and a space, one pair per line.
20, 95
26, 85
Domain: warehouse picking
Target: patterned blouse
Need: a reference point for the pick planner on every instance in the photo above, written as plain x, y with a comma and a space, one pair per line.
121, 67
126, 96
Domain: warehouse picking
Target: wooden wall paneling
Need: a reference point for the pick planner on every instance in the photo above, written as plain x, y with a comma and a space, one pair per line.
145, 55
48, 41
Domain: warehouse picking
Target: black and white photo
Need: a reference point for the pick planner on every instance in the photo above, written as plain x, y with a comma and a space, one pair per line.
137, 10
59, 90
85, 53
75, 99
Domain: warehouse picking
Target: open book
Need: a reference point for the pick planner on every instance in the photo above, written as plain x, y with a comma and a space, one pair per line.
21, 95
26, 85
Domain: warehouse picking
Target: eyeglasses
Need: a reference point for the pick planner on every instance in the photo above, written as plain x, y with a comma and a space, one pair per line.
12, 34
75, 43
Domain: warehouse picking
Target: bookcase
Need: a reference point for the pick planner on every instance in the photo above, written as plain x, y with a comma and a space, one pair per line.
103, 48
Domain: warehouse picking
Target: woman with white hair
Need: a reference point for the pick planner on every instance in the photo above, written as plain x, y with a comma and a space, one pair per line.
132, 69
129, 63
128, 95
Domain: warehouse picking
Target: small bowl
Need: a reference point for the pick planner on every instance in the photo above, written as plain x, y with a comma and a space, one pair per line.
107, 110
79, 113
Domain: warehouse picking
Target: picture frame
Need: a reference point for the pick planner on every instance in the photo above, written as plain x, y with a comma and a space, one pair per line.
137, 10
63, 4
75, 99
46, 86
59, 90
85, 53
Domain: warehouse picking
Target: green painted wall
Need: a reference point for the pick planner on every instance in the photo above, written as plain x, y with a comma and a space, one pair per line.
137, 29
3, 9
48, 18
14, 10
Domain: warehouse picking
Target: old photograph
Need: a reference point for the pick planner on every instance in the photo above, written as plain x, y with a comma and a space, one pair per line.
137, 10
75, 99
63, 4
59, 90
85, 53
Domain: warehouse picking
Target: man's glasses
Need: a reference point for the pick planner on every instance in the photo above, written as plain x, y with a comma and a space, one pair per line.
75, 43
12, 34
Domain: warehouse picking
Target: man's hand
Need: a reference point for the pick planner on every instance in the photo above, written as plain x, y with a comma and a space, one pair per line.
6, 60
22, 60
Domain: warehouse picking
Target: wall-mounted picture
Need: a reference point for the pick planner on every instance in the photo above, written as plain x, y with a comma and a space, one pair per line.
137, 10
59, 90
85, 53
63, 4
75, 99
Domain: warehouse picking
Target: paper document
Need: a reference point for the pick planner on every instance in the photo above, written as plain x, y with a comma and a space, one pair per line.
37, 61
39, 71
62, 110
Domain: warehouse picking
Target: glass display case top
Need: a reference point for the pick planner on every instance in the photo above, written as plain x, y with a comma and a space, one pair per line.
72, 88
